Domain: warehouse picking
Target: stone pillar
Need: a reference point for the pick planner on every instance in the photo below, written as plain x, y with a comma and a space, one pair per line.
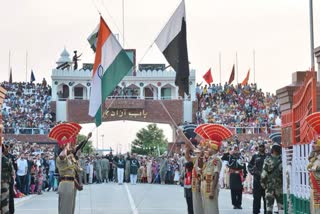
141, 93
71, 97
159, 93
177, 93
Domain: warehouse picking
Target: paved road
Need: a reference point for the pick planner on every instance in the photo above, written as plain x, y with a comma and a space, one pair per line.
127, 199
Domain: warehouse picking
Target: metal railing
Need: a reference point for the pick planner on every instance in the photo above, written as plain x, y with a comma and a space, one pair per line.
254, 129
20, 130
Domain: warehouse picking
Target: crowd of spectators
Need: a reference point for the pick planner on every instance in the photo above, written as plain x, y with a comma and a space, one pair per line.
125, 92
26, 108
34, 167
237, 106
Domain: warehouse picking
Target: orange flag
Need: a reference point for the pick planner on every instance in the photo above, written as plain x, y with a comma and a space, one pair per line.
208, 77
245, 81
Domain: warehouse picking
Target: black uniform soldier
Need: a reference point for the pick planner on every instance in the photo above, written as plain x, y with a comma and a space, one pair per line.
238, 172
255, 168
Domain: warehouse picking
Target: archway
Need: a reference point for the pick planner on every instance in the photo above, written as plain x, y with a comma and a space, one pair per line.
79, 92
63, 92
167, 92
150, 92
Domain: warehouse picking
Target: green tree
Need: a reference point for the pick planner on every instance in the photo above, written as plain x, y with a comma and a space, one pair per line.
149, 141
87, 149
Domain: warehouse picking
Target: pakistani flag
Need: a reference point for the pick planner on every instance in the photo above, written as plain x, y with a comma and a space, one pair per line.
111, 64
172, 42
93, 37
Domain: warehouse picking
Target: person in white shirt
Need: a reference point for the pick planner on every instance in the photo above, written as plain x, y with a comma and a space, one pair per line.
22, 170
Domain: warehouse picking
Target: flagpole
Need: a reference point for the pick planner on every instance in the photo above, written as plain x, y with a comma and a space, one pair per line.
254, 66
123, 23
312, 35
9, 62
220, 65
237, 67
26, 66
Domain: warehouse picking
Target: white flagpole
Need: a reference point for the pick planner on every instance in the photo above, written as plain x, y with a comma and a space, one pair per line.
254, 66
312, 35
220, 65
123, 23
26, 66
9, 62
237, 67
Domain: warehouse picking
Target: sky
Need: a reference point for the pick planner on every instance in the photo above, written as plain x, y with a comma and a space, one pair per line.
278, 31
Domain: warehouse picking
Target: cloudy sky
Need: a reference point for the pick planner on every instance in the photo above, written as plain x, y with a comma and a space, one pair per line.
278, 31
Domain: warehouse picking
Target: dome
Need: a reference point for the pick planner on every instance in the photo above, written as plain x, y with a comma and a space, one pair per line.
64, 57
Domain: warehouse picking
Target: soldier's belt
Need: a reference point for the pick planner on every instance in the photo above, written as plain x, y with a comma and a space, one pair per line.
66, 178
234, 171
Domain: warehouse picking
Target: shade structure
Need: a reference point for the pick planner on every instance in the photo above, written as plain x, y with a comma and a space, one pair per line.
188, 130
276, 137
215, 132
65, 133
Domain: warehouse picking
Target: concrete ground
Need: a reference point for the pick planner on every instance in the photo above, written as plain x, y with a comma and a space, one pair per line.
126, 199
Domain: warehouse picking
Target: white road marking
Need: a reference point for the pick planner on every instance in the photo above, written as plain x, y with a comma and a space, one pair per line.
131, 201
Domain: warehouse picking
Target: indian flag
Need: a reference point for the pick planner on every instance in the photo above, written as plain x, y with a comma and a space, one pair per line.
111, 64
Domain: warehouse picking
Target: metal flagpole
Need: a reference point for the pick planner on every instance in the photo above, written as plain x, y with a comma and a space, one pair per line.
312, 35
26, 66
254, 66
220, 65
9, 63
237, 67
123, 23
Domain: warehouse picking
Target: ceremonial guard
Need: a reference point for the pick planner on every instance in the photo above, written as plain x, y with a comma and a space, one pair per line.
210, 179
198, 162
67, 164
271, 178
314, 174
6, 178
255, 168
238, 173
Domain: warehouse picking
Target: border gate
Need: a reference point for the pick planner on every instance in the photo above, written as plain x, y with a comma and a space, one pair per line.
296, 138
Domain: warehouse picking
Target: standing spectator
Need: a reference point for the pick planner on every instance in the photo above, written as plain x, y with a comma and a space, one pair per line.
52, 167
22, 165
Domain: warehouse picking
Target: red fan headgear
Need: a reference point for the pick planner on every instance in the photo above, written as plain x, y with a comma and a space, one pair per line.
65, 133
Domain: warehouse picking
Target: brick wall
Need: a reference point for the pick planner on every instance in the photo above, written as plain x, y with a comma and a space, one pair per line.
134, 110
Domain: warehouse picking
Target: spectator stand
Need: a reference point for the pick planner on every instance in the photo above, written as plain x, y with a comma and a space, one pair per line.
296, 139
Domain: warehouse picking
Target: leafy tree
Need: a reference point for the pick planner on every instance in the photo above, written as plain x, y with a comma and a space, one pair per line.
149, 141
87, 149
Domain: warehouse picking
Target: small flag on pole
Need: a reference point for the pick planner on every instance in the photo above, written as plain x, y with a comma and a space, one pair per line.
245, 81
231, 78
10, 76
32, 78
208, 77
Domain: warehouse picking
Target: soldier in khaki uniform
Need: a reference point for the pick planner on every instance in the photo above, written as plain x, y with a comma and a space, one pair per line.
210, 179
198, 162
67, 189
